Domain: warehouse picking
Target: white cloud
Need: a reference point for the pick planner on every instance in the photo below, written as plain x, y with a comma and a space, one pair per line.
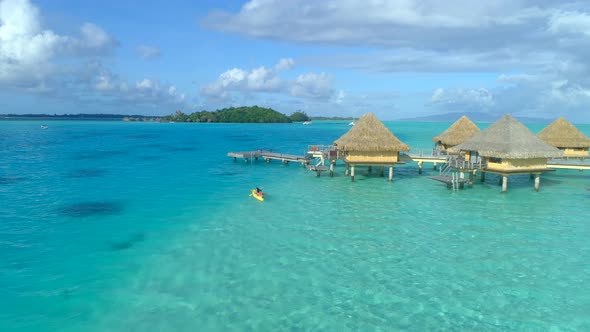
569, 22
532, 46
312, 85
266, 80
262, 79
516, 78
28, 52
340, 97
284, 64
25, 49
95, 38
144, 92
463, 99
104, 81
146, 84
38, 60
388, 22
148, 52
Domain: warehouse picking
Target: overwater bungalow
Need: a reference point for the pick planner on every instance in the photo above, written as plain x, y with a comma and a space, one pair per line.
506, 148
566, 137
459, 132
369, 143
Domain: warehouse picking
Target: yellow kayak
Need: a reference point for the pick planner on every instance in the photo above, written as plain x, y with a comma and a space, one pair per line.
259, 197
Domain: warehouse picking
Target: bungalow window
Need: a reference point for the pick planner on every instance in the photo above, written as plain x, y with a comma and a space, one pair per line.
495, 160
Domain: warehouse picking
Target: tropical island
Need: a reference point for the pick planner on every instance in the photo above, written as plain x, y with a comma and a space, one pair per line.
244, 114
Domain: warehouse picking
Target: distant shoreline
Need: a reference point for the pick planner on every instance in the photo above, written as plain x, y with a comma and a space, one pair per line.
79, 117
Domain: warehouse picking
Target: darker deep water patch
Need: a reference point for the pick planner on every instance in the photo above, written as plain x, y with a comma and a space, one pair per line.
144, 136
99, 155
86, 172
88, 209
11, 179
127, 243
179, 149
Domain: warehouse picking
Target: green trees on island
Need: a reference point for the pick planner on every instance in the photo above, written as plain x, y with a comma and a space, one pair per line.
299, 116
245, 114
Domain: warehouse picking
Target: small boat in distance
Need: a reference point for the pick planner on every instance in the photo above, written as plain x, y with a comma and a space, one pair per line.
44, 127
307, 122
351, 123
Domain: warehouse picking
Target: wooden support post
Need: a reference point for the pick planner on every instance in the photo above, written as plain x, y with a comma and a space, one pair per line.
420, 167
537, 181
370, 169
267, 160
331, 169
532, 176
352, 172
471, 176
504, 183
483, 176
434, 167
318, 173
235, 158
461, 175
246, 160
390, 173
382, 171
346, 169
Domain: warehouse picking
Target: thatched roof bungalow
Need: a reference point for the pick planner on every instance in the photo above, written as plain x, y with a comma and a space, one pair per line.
566, 137
507, 147
459, 132
370, 143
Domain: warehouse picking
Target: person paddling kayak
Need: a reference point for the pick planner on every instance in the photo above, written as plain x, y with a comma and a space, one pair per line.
258, 194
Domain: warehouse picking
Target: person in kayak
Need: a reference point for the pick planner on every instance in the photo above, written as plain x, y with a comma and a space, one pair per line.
259, 192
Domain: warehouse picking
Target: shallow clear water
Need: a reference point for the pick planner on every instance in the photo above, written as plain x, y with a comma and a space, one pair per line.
113, 226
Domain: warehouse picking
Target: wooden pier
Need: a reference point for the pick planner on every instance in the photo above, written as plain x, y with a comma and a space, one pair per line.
454, 170
578, 164
269, 155
453, 182
421, 157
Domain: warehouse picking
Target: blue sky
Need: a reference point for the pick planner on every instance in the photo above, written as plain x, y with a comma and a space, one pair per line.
397, 58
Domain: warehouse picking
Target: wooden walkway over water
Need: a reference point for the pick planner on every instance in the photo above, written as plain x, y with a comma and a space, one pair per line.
453, 168
269, 155
569, 164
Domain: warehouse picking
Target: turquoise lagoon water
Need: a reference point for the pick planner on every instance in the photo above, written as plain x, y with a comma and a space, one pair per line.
113, 226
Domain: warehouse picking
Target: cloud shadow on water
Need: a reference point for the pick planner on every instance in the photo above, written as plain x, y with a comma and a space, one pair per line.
144, 136
126, 243
11, 179
179, 149
89, 209
86, 172
98, 155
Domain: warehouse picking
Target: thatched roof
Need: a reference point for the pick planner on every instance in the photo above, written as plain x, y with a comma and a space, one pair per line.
460, 131
510, 139
370, 134
562, 134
